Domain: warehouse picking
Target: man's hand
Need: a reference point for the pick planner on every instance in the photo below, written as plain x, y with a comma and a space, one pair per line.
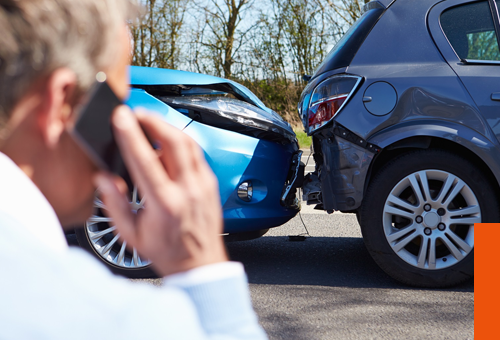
181, 225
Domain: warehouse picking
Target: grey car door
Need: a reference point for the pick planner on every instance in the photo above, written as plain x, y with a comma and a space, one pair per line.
471, 48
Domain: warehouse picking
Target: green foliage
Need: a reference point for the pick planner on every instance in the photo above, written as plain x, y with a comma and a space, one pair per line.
280, 95
483, 46
304, 140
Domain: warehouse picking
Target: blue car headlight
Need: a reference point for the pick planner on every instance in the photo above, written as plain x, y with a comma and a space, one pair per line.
234, 115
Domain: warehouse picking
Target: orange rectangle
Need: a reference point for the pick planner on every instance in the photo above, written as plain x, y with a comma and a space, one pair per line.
486, 281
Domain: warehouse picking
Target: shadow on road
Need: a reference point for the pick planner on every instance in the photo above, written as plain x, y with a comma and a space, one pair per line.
318, 261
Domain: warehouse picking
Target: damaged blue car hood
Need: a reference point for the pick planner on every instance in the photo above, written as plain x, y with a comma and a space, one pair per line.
156, 76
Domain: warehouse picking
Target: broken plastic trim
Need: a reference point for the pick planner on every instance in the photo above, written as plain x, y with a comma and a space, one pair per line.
295, 180
224, 87
190, 90
344, 133
234, 115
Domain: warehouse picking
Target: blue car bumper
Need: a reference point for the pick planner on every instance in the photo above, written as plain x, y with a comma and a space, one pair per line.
236, 158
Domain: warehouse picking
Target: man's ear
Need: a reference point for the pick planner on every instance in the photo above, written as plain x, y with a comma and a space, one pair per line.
56, 106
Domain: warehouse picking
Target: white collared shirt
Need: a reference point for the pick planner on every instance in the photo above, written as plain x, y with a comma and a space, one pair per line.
22, 199
51, 291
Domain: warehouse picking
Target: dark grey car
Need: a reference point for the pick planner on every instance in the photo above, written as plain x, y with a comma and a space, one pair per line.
405, 118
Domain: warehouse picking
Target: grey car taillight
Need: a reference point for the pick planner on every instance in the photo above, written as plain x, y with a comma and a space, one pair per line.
328, 98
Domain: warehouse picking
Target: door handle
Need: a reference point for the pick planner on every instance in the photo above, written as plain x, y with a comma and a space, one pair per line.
495, 96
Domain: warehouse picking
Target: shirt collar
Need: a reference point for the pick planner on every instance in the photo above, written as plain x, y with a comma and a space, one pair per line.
21, 199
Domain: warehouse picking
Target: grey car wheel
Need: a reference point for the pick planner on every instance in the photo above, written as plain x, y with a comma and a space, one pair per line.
99, 236
422, 223
418, 215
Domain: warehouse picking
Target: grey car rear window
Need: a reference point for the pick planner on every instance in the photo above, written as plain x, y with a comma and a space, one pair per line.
471, 31
343, 52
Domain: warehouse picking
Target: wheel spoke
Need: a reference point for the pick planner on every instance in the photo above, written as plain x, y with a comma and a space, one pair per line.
456, 190
461, 243
121, 255
95, 236
422, 254
473, 209
466, 220
399, 212
98, 219
446, 187
452, 248
432, 254
99, 204
108, 246
402, 203
135, 258
404, 242
416, 189
400, 233
134, 195
425, 185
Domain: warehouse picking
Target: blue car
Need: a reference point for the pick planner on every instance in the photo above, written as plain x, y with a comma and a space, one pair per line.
251, 149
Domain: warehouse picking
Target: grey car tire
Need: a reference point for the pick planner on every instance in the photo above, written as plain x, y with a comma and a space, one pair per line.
418, 215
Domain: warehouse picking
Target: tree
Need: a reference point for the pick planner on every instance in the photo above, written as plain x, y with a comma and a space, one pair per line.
268, 48
158, 35
347, 10
264, 53
224, 38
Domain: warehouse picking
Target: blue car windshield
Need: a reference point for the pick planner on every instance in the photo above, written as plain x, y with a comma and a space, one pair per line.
343, 52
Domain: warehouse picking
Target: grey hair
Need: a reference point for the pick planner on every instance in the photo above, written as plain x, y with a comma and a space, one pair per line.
39, 36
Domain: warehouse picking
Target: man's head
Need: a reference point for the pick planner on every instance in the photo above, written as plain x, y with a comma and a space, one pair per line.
50, 53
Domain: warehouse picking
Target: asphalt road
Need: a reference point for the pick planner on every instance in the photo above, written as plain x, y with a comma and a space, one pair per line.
328, 287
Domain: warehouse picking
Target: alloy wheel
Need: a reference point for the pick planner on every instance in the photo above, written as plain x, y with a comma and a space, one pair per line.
429, 218
101, 234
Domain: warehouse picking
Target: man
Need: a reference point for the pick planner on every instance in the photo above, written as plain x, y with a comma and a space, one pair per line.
50, 53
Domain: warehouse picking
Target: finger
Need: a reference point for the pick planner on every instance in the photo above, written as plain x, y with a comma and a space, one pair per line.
204, 170
177, 148
117, 206
142, 161
194, 167
121, 185
198, 156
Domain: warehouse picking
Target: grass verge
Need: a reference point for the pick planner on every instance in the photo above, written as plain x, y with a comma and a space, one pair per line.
304, 140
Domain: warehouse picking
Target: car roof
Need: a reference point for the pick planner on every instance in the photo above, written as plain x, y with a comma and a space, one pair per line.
387, 3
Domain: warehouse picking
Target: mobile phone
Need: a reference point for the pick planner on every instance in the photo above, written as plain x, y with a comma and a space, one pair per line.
93, 130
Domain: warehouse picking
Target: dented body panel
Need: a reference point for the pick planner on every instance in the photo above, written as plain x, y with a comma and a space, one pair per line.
342, 166
156, 76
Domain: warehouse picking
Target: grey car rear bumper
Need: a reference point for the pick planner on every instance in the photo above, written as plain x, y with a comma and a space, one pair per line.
343, 162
